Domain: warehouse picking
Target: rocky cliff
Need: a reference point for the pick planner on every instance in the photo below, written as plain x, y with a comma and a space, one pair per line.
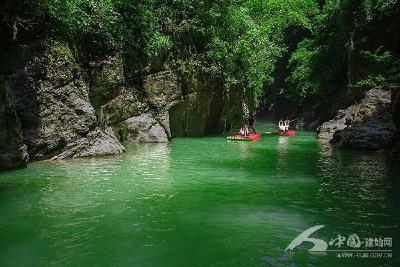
141, 113
50, 96
58, 107
366, 125
206, 107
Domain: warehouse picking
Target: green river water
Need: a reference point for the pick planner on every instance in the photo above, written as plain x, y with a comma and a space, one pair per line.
199, 202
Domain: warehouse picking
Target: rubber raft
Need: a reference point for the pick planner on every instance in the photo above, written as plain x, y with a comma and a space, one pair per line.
250, 137
290, 132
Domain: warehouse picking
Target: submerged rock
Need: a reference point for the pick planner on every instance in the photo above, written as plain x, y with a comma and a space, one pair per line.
366, 125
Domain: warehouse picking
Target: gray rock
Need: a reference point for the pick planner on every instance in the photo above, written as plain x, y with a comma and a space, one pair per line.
131, 119
52, 103
95, 143
163, 120
141, 114
371, 135
145, 128
366, 125
162, 89
127, 104
343, 119
312, 125
328, 129
106, 80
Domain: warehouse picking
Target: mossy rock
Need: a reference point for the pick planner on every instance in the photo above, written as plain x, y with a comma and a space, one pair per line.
185, 119
106, 80
60, 52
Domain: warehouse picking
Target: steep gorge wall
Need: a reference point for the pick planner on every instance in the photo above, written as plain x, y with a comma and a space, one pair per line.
163, 104
199, 111
61, 108
207, 107
50, 96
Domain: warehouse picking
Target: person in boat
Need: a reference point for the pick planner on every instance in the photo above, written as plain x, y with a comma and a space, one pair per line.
281, 125
241, 132
250, 121
244, 131
286, 125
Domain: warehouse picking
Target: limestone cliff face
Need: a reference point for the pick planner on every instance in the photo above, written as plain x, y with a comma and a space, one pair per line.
52, 104
58, 108
166, 104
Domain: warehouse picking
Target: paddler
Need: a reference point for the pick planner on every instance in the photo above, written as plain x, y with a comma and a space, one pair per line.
281, 125
286, 124
244, 131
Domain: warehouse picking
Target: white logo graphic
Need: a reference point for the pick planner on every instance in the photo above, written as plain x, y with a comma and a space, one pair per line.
319, 244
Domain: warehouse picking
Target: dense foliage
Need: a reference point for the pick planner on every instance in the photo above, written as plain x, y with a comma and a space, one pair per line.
354, 46
293, 53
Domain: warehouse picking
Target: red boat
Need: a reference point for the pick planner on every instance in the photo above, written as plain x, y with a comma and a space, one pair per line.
250, 137
290, 132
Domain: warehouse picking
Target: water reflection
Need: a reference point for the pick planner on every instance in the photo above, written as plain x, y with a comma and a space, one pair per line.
355, 182
282, 150
77, 209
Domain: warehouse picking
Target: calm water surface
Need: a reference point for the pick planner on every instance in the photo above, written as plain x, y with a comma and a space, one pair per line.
198, 202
